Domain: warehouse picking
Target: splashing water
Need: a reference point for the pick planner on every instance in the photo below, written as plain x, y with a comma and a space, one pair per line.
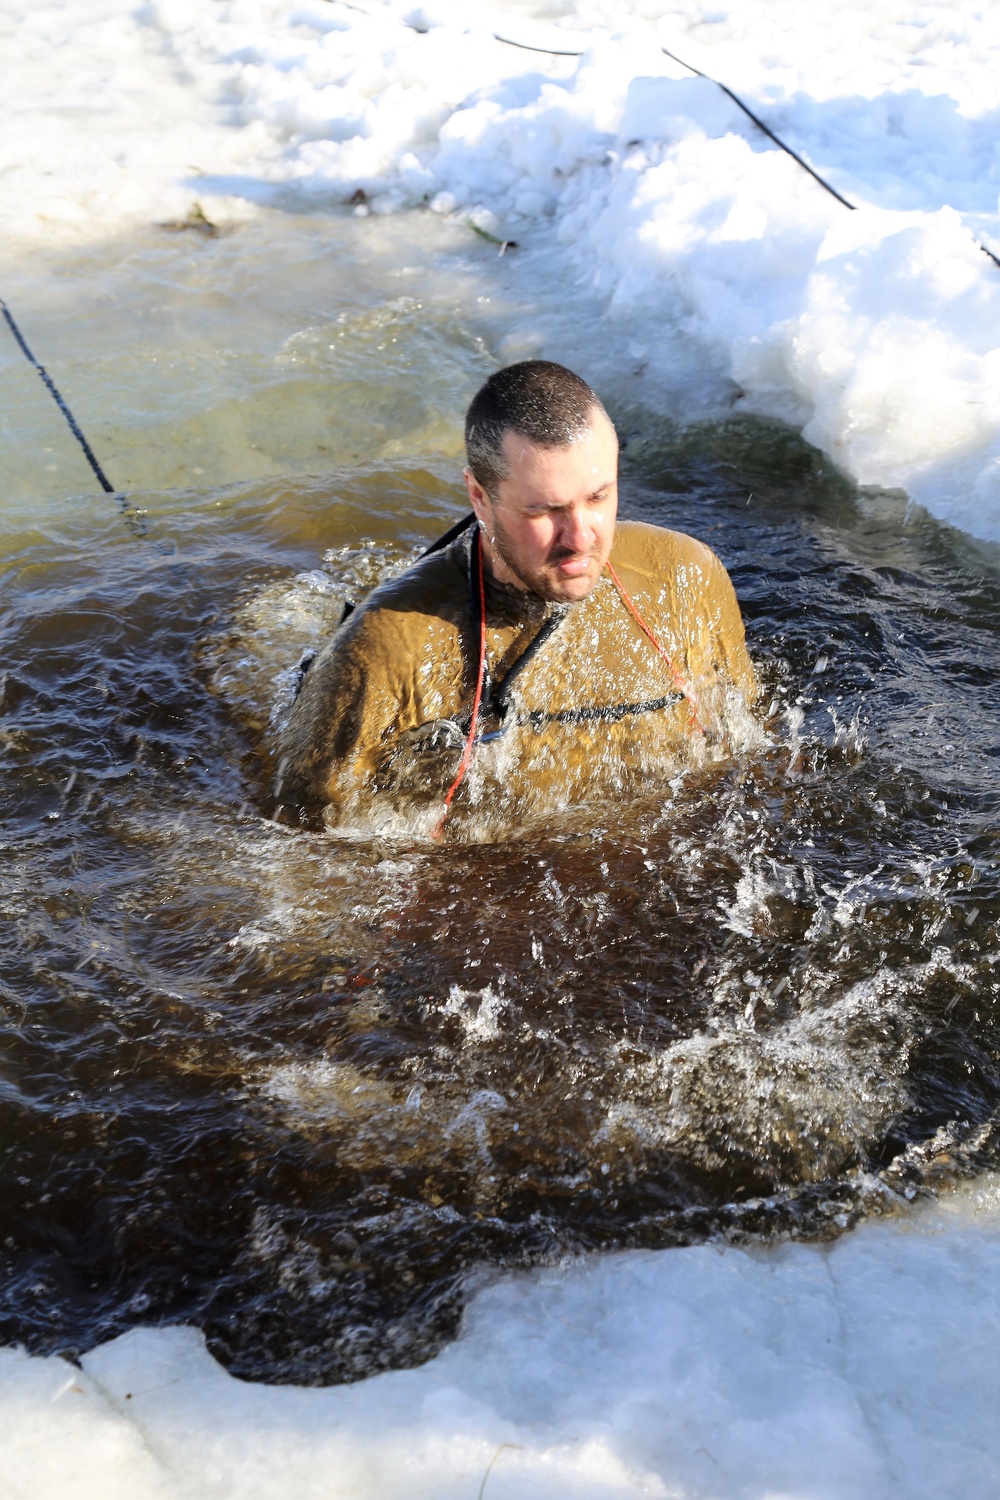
296, 1088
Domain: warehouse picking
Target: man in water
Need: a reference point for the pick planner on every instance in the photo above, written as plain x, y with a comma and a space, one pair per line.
548, 654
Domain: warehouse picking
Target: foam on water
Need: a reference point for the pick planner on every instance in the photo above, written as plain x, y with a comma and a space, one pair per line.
866, 1367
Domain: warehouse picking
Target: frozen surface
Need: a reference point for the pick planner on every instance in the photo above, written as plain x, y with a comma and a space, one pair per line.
863, 1368
725, 275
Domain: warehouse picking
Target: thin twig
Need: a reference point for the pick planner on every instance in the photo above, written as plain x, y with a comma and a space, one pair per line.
489, 1471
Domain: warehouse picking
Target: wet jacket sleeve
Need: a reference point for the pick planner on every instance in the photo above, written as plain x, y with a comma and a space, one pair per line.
352, 703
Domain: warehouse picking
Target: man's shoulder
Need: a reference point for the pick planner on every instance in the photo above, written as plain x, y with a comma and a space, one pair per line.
646, 550
433, 586
374, 655
442, 575
389, 629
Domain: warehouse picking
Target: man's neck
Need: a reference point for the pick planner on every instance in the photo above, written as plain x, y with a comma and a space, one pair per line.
500, 571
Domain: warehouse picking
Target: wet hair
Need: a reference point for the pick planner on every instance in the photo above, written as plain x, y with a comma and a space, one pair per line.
542, 401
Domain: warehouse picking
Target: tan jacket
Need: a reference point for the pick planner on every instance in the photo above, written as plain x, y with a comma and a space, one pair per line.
595, 712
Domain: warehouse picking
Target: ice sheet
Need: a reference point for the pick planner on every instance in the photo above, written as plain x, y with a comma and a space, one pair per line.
862, 1368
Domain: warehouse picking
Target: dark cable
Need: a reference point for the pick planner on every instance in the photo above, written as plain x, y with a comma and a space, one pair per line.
526, 47
497, 695
613, 713
735, 98
749, 114
761, 126
50, 386
795, 157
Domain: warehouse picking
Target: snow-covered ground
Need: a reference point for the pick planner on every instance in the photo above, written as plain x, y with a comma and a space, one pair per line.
727, 275
863, 1370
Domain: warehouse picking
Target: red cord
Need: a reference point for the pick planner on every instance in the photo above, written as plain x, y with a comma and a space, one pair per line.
478, 698
683, 687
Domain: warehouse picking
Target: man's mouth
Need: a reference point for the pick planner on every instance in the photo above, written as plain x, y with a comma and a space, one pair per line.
574, 566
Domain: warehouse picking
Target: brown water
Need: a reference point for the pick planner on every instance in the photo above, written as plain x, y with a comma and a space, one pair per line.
299, 1089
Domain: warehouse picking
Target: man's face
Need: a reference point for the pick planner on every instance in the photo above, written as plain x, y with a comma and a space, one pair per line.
551, 526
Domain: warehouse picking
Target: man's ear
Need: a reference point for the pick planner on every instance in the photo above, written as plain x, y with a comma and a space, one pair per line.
478, 498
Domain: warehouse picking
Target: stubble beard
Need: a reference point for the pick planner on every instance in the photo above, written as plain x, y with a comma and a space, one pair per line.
533, 580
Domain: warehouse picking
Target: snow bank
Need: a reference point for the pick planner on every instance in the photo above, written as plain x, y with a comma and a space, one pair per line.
726, 275
863, 1368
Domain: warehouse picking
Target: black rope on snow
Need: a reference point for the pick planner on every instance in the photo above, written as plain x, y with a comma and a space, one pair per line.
526, 47
749, 114
734, 97
794, 155
761, 126
50, 386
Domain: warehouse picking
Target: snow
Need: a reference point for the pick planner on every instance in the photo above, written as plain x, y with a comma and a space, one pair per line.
866, 1367
726, 275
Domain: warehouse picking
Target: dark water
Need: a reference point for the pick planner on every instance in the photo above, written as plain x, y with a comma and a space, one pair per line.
295, 1089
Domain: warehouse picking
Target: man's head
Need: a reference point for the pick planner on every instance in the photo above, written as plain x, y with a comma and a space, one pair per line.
543, 478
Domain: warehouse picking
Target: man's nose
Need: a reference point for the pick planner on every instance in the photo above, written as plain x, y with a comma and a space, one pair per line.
575, 531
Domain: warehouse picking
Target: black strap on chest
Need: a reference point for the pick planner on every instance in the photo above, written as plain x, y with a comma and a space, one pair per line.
451, 535
496, 695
